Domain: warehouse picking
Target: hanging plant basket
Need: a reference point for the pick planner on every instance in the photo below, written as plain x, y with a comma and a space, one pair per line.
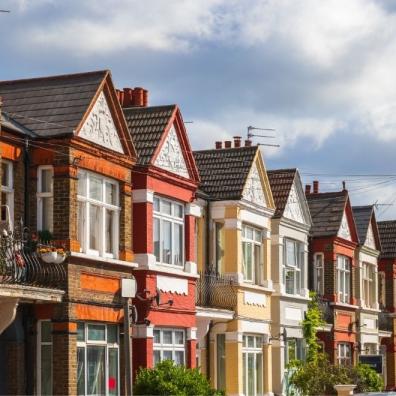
49, 257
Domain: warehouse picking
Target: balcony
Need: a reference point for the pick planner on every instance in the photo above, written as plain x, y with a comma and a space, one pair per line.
20, 264
215, 291
327, 312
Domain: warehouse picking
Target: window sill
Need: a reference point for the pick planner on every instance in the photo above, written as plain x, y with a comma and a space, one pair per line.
104, 259
344, 305
293, 296
251, 286
368, 309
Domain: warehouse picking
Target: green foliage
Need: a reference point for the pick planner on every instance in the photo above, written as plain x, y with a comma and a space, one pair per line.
169, 379
45, 236
366, 379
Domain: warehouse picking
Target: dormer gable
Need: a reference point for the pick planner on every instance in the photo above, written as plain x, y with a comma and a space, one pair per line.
370, 240
347, 229
296, 207
344, 231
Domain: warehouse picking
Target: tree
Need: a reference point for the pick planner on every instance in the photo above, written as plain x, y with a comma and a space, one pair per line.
167, 378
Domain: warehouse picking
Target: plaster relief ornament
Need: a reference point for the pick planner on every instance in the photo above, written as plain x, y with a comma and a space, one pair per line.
253, 190
344, 232
370, 242
99, 126
293, 208
171, 157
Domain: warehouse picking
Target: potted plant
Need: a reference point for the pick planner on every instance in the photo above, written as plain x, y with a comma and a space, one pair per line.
48, 254
60, 256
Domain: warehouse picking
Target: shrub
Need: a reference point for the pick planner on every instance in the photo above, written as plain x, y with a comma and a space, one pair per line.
366, 379
170, 379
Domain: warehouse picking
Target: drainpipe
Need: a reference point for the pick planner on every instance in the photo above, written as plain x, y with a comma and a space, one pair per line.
208, 350
26, 162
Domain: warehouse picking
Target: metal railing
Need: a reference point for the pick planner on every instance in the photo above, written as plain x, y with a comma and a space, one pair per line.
327, 311
385, 322
20, 264
216, 291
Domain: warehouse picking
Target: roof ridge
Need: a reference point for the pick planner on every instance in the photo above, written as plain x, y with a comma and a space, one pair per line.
135, 108
226, 149
282, 170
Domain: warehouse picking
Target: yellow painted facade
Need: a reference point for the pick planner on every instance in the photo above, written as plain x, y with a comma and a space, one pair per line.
252, 309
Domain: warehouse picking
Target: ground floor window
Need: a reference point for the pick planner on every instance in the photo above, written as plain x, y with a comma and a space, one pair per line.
97, 359
344, 354
252, 360
44, 357
169, 344
369, 349
295, 349
220, 361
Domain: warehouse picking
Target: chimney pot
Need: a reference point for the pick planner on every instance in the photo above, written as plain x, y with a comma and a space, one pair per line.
127, 97
145, 97
307, 189
219, 145
316, 186
227, 144
137, 97
248, 143
237, 141
343, 185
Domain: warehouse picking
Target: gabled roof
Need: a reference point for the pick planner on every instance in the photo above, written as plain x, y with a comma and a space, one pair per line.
281, 181
147, 125
8, 123
327, 210
224, 172
50, 106
363, 216
387, 232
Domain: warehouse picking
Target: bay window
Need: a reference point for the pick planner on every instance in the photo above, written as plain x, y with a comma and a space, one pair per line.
98, 215
319, 273
168, 230
7, 192
343, 279
253, 266
368, 280
97, 359
44, 358
293, 264
252, 362
169, 344
344, 357
45, 198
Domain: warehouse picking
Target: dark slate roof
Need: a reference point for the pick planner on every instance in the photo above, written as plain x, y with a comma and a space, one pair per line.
50, 106
10, 124
362, 216
387, 231
147, 124
326, 212
281, 181
223, 172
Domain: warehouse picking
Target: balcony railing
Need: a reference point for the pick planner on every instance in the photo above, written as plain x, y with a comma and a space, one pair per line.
327, 312
385, 322
216, 291
20, 264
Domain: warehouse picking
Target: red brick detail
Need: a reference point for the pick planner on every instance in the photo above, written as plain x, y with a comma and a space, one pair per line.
190, 238
101, 314
191, 353
99, 283
143, 227
10, 152
142, 354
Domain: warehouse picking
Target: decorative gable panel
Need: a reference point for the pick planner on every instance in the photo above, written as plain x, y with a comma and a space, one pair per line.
370, 240
253, 190
293, 209
344, 231
171, 157
99, 126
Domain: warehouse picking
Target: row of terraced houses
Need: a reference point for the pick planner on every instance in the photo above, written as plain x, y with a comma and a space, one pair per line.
100, 189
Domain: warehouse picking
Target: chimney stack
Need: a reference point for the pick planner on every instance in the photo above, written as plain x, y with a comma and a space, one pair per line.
219, 145
316, 186
237, 141
248, 143
137, 97
343, 185
227, 144
307, 189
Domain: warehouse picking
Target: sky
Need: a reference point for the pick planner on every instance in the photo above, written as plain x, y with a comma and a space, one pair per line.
321, 73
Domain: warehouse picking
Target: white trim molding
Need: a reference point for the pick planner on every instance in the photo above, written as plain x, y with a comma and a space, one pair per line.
142, 195
192, 333
192, 209
172, 285
142, 331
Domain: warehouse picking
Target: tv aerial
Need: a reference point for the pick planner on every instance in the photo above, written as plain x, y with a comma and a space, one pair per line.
250, 134
6, 11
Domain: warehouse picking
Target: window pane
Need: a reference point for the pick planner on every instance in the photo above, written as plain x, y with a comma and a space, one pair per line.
257, 236
167, 337
250, 342
249, 233
111, 193
112, 334
82, 184
157, 239
46, 181
178, 210
109, 232
167, 355
167, 242
4, 174
4, 201
166, 207
81, 221
157, 357
220, 351
178, 244
259, 373
259, 270
46, 331
247, 250
80, 371
179, 357
179, 338
94, 227
96, 370
95, 188
156, 204
250, 374
290, 281
96, 332
46, 220
244, 371
291, 254
157, 336
80, 332
46, 369
113, 371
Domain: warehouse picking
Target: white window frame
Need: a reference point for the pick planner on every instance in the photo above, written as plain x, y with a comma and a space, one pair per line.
38, 354
9, 192
108, 345
343, 279
368, 285
257, 352
344, 354
115, 208
318, 264
40, 195
174, 220
257, 270
218, 246
297, 269
381, 289
173, 347
299, 345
